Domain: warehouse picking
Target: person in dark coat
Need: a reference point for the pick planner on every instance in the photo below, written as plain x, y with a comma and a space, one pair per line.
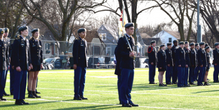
193, 64
175, 71
169, 72
216, 62
202, 62
197, 47
127, 64
37, 62
152, 54
80, 64
22, 64
181, 63
187, 51
161, 64
207, 49
7, 41
3, 64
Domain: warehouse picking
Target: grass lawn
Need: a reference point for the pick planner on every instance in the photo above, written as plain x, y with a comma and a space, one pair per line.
56, 87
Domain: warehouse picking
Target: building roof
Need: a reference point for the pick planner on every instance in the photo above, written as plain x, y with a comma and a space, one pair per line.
147, 41
145, 35
111, 31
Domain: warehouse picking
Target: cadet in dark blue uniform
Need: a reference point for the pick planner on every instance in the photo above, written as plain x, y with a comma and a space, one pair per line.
202, 62
181, 63
174, 48
125, 49
161, 64
22, 63
187, 50
37, 60
80, 64
193, 64
216, 62
207, 49
7, 41
3, 64
197, 47
152, 54
169, 61
118, 71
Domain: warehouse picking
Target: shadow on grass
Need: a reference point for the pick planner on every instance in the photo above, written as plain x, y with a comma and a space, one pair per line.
205, 91
95, 107
34, 103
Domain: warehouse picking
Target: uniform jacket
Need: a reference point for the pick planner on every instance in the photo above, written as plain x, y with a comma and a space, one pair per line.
193, 58
21, 51
124, 50
36, 51
169, 57
79, 52
152, 54
174, 48
161, 56
180, 57
187, 51
4, 55
216, 56
202, 60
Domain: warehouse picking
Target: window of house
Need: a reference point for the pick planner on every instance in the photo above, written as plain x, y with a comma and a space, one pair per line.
103, 36
96, 50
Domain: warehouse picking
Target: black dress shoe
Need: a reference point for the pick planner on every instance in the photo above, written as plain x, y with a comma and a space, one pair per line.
200, 85
162, 85
18, 102
206, 84
192, 83
35, 95
83, 98
5, 94
126, 105
37, 92
2, 99
187, 85
216, 81
152, 83
77, 98
25, 103
169, 83
30, 94
134, 105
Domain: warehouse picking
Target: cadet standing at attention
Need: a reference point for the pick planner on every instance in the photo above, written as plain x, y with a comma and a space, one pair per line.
187, 50
197, 47
181, 63
127, 65
161, 64
22, 64
202, 61
80, 64
3, 64
193, 64
174, 48
7, 41
37, 60
152, 54
207, 49
216, 62
169, 72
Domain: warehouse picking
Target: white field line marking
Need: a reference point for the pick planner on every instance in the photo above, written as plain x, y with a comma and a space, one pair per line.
104, 104
135, 92
88, 71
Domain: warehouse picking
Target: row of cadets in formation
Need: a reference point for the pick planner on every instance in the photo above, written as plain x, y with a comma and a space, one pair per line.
185, 62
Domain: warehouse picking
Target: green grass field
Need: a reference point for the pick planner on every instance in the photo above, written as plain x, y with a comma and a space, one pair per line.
56, 87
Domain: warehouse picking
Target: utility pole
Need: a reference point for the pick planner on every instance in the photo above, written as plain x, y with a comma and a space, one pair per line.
199, 37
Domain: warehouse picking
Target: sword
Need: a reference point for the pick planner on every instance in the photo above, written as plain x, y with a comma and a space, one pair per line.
129, 45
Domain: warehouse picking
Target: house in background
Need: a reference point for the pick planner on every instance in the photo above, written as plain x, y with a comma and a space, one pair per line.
109, 38
167, 36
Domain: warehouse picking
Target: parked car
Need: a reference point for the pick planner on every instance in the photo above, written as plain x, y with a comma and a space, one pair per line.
51, 63
93, 62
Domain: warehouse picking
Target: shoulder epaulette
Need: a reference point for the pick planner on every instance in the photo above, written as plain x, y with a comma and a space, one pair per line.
17, 37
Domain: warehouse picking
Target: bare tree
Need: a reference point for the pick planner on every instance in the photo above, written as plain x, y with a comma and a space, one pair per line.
12, 14
58, 14
179, 12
